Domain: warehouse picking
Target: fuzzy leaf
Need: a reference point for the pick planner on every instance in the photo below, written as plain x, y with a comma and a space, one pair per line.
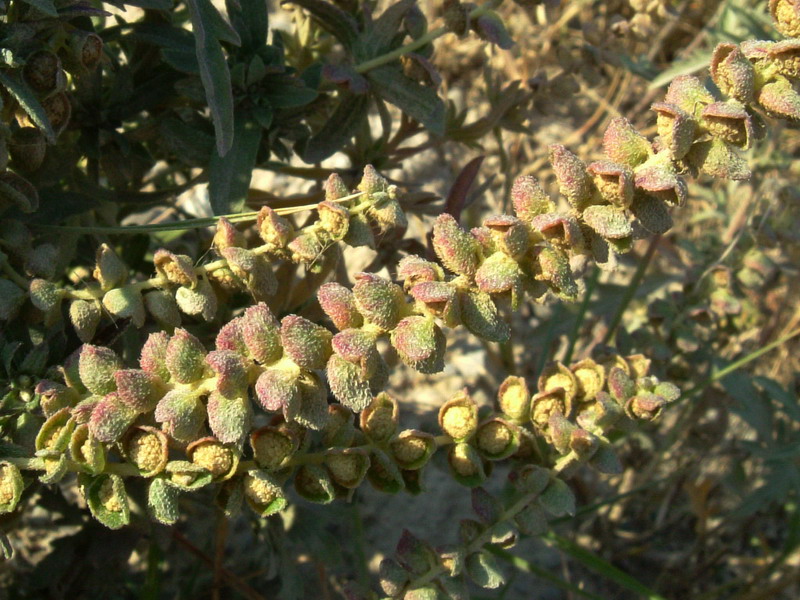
229, 173
162, 501
482, 568
338, 130
417, 101
558, 499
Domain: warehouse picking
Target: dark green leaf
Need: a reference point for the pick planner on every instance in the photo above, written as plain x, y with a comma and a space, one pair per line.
222, 29
417, 101
377, 39
336, 133
213, 71
482, 569
338, 23
30, 103
251, 21
229, 175
45, 6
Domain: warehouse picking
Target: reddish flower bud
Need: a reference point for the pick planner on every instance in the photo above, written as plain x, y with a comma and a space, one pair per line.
479, 314
231, 373
307, 344
125, 303
185, 357
261, 334
558, 228
380, 301
499, 273
335, 188
175, 268
420, 344
181, 414
276, 389
136, 389
253, 270
717, 159
273, 228
779, 99
438, 299
624, 145
733, 73
456, 248
529, 198
339, 304
227, 236
154, 355
111, 418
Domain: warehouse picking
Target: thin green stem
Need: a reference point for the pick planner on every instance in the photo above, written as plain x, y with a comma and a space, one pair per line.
573, 338
630, 291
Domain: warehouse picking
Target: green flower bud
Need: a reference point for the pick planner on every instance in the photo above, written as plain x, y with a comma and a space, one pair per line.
54, 434
379, 420
162, 501
677, 129
310, 409
71, 373
334, 219
147, 449
28, 148
359, 232
181, 414
529, 198
514, 399
613, 181
253, 270
229, 417
608, 222
231, 372
456, 17
438, 299
111, 418
420, 344
85, 316
136, 389
413, 270
379, 301
261, 333
573, 180
273, 447
306, 248
717, 159
86, 451
273, 228
732, 72
96, 367
125, 303
388, 214
456, 248
227, 236
162, 305
275, 389
202, 300
411, 449
19, 192
42, 261
466, 465
358, 347
175, 268
553, 269
314, 484
339, 304
383, 474
497, 439
43, 73
689, 94
624, 145
45, 296
11, 487
108, 500
479, 314
372, 182
109, 270
347, 466
786, 16
185, 357
263, 494
393, 577
499, 273
307, 344
220, 460
153, 359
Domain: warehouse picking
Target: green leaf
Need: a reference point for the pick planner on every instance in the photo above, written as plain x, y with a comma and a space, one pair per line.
213, 71
417, 101
30, 103
162, 500
45, 6
338, 130
251, 21
229, 175
601, 566
377, 39
338, 23
483, 570
558, 499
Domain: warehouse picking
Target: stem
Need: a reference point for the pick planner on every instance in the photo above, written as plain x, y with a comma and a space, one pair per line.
630, 291
573, 338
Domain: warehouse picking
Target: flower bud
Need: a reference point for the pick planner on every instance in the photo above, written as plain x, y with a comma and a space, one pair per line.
55, 432
732, 72
601, 413
608, 222
358, 347
229, 417
58, 110
19, 192
11, 487
729, 121
620, 385
231, 372
306, 248
413, 270
273, 228
388, 214
529, 198
181, 414
85, 316
335, 188
624, 145
545, 404
110, 418
554, 269
717, 159
456, 248
307, 344
263, 494
573, 180
28, 148
334, 219
253, 270
514, 399
162, 305
380, 302
466, 465
108, 500
347, 466
136, 389
314, 484
275, 389
311, 409
411, 449
273, 447
54, 396
162, 501
499, 273
230, 337
779, 99
383, 474
261, 334
153, 358
677, 129
786, 16
71, 373
146, 448
689, 94
339, 304
220, 460
657, 177
125, 303
497, 439
420, 344
201, 300
372, 182
227, 236
479, 314
42, 261
185, 357
109, 270
438, 299
645, 406
652, 213
349, 384
96, 367
175, 268
379, 420
86, 451
45, 295
613, 181
43, 73
508, 234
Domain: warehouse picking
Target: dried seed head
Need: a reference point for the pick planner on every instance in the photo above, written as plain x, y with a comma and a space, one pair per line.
732, 72
273, 446
458, 417
220, 460
339, 304
411, 449
456, 248
307, 344
624, 145
27, 147
273, 228
43, 72
496, 439
379, 420
175, 268
227, 236
786, 16
515, 399
529, 198
185, 357
261, 334
154, 354
86, 48
147, 449
58, 109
